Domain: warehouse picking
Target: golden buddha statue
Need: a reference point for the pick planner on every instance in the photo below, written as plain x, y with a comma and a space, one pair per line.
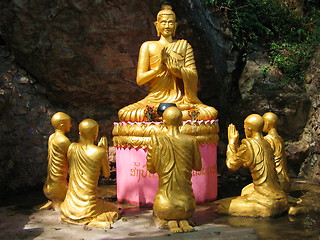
56, 185
82, 205
263, 197
169, 69
277, 144
172, 156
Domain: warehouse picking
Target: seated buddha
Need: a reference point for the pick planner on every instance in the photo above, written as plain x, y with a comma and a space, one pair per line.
168, 67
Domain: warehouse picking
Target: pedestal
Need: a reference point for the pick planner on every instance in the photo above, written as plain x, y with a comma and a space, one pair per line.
135, 185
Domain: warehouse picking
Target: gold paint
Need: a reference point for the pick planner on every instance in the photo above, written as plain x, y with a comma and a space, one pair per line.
168, 67
173, 155
56, 185
139, 134
277, 144
82, 205
263, 197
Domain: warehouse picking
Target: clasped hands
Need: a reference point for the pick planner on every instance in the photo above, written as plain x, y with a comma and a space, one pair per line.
171, 60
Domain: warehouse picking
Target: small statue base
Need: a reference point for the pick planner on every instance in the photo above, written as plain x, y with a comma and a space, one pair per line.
243, 206
135, 185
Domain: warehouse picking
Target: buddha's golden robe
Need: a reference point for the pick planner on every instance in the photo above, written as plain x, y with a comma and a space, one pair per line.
56, 185
173, 160
263, 197
81, 204
167, 88
280, 160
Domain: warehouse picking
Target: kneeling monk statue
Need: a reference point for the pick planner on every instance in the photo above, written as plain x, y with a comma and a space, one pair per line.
173, 156
56, 184
169, 69
86, 161
263, 197
277, 144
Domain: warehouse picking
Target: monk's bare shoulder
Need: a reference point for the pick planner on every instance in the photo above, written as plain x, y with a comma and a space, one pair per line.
152, 47
150, 43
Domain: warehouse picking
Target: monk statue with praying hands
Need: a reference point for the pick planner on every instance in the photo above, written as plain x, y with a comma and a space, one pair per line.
82, 205
167, 66
263, 197
173, 156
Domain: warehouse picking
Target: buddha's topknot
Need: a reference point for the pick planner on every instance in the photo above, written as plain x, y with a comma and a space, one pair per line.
166, 10
166, 7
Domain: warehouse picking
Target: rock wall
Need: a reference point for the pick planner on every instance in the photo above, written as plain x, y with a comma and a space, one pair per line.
307, 149
85, 52
78, 57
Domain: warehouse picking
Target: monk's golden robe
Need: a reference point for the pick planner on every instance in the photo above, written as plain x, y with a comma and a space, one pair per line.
81, 204
277, 145
56, 185
263, 197
167, 88
173, 159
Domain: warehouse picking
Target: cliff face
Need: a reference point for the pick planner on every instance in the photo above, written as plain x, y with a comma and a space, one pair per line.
80, 57
307, 149
84, 52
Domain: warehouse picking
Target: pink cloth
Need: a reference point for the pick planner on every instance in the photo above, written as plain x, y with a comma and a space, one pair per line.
135, 185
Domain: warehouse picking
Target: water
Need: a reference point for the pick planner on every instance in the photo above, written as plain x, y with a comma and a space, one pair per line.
304, 226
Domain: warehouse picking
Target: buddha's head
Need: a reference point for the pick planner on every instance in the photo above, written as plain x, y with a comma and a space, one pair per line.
172, 116
61, 121
270, 121
253, 123
88, 129
166, 24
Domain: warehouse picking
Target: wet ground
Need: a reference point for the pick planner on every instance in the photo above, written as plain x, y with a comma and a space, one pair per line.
18, 220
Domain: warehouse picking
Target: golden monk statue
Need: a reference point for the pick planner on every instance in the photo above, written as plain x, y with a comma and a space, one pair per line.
277, 144
82, 205
173, 156
263, 197
169, 69
56, 185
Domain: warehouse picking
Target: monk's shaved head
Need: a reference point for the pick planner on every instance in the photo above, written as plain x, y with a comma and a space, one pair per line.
172, 116
255, 122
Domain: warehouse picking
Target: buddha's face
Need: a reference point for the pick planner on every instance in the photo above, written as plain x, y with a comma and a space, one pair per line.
166, 25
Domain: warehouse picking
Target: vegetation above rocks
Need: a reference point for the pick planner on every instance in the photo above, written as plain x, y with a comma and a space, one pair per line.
288, 31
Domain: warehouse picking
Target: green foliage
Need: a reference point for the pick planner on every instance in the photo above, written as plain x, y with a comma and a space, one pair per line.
273, 25
292, 59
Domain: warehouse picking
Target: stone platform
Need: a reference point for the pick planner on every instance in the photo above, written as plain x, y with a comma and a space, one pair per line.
18, 220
